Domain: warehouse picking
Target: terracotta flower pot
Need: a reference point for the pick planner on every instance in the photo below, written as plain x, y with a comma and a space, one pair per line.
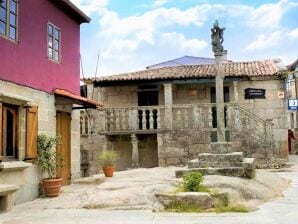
108, 171
52, 187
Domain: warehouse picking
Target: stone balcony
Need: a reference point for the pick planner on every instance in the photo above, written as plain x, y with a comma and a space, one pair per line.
154, 119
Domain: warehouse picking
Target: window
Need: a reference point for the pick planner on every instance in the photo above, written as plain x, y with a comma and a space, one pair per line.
54, 42
8, 19
13, 134
9, 132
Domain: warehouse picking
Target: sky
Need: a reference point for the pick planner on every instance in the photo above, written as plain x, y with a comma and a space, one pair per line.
128, 35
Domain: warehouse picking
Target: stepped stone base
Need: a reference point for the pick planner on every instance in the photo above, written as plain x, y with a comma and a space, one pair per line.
221, 147
222, 162
227, 171
200, 199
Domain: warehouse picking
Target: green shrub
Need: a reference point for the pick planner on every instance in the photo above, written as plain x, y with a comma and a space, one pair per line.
192, 181
48, 160
107, 158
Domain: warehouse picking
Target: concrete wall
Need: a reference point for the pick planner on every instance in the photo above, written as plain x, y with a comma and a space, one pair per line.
28, 178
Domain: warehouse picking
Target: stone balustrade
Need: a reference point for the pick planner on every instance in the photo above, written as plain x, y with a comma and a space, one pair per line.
239, 122
155, 118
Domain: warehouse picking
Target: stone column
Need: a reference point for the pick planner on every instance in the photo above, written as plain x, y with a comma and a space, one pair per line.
168, 94
104, 142
135, 151
235, 84
220, 106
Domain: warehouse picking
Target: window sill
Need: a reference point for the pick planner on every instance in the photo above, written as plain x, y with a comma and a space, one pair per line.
16, 165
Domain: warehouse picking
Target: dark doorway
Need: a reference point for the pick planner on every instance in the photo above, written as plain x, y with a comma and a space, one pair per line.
148, 151
148, 96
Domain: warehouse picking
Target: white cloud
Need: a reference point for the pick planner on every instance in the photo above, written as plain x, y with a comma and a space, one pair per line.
90, 6
133, 42
152, 21
294, 34
268, 15
265, 41
159, 3
183, 45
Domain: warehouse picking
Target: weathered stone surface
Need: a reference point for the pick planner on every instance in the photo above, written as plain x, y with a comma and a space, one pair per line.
248, 167
201, 199
220, 199
221, 160
221, 147
193, 163
7, 196
136, 189
226, 171
96, 179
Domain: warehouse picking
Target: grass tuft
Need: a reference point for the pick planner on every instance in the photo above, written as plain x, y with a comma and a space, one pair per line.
180, 207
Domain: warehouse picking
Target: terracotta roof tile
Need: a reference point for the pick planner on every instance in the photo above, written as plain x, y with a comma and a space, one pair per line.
65, 93
232, 69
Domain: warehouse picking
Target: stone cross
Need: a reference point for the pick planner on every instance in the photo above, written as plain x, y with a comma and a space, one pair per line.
216, 41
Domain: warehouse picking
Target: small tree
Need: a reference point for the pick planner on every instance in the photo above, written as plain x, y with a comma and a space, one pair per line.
108, 158
192, 181
48, 160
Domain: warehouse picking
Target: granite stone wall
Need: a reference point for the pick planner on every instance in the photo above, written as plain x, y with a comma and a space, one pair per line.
178, 146
28, 179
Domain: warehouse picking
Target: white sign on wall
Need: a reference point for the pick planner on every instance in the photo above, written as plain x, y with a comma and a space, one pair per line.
292, 104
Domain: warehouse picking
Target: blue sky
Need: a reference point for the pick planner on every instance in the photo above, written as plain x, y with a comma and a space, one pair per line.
132, 34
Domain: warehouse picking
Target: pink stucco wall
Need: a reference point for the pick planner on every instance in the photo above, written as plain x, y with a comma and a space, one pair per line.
26, 62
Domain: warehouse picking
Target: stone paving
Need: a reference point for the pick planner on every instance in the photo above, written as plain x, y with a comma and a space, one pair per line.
283, 210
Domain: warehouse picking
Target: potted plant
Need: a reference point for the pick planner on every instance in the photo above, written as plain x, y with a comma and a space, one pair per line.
48, 161
107, 159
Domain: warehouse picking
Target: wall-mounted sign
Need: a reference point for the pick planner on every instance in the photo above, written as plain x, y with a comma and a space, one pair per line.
281, 95
292, 104
251, 93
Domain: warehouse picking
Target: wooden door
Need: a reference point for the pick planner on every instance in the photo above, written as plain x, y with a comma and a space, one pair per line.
64, 149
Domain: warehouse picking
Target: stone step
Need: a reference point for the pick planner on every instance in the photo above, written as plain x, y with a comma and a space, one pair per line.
219, 160
221, 147
226, 171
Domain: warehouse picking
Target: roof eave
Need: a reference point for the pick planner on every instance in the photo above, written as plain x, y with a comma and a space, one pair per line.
72, 10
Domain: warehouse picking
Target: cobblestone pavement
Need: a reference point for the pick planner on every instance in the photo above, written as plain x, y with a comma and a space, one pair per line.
283, 210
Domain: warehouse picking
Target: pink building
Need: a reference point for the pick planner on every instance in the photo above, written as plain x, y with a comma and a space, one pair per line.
39, 90
25, 47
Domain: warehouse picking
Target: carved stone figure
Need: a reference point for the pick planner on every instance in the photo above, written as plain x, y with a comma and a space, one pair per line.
217, 38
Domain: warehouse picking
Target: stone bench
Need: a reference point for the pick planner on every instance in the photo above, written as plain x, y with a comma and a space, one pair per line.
7, 196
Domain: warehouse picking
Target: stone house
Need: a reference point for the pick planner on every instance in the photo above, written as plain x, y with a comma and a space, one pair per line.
167, 116
39, 89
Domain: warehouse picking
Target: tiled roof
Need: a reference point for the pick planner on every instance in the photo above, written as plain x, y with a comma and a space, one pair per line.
83, 100
233, 69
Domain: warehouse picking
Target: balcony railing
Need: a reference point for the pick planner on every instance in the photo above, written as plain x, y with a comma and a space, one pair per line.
238, 121
155, 118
